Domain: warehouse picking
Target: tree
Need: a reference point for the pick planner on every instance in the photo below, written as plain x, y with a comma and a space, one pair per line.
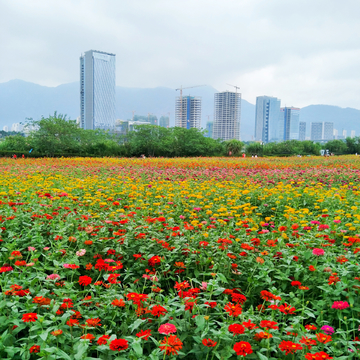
235, 146
54, 134
336, 146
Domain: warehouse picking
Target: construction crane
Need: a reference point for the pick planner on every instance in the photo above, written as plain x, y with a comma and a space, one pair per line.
235, 117
181, 103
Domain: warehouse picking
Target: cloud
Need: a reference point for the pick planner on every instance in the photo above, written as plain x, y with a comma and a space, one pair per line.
304, 51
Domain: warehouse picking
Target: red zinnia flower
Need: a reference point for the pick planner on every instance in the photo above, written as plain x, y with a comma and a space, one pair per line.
29, 317
318, 356
209, 343
155, 260
171, 345
249, 325
85, 280
34, 349
90, 337
118, 303
93, 322
236, 329
308, 342
167, 329
267, 324
287, 309
242, 348
158, 310
262, 335
289, 347
323, 338
144, 334
310, 327
56, 332
102, 340
119, 345
233, 309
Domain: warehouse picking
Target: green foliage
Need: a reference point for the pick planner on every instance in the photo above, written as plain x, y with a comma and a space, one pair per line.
235, 146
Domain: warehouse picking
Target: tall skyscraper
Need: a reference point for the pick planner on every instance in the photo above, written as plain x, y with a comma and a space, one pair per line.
267, 118
164, 121
209, 129
316, 131
97, 90
188, 112
302, 130
289, 119
352, 134
328, 129
227, 115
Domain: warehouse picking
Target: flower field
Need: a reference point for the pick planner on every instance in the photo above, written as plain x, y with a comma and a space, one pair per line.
197, 258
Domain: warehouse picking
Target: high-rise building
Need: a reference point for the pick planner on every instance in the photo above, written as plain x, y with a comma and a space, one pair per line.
164, 121
227, 115
328, 129
336, 134
316, 131
209, 129
289, 119
16, 127
344, 134
97, 90
267, 118
188, 112
352, 134
6, 128
302, 130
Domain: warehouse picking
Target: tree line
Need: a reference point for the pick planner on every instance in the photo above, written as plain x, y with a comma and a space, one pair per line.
58, 136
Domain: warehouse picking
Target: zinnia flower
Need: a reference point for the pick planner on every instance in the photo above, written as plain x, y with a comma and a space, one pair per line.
119, 345
209, 343
328, 330
340, 305
102, 340
289, 347
29, 317
242, 348
236, 329
34, 349
144, 334
85, 280
318, 252
171, 345
167, 329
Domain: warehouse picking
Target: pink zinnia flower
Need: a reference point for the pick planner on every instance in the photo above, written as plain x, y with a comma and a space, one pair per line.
328, 330
167, 329
46, 248
337, 221
31, 248
81, 252
318, 252
203, 285
53, 277
340, 305
182, 217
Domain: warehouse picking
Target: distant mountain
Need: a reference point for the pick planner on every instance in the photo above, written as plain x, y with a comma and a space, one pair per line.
343, 118
20, 100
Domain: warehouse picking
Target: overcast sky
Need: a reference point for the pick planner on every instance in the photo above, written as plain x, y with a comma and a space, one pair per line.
301, 51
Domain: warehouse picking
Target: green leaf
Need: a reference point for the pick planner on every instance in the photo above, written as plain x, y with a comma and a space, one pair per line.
136, 324
200, 322
81, 350
137, 348
261, 356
